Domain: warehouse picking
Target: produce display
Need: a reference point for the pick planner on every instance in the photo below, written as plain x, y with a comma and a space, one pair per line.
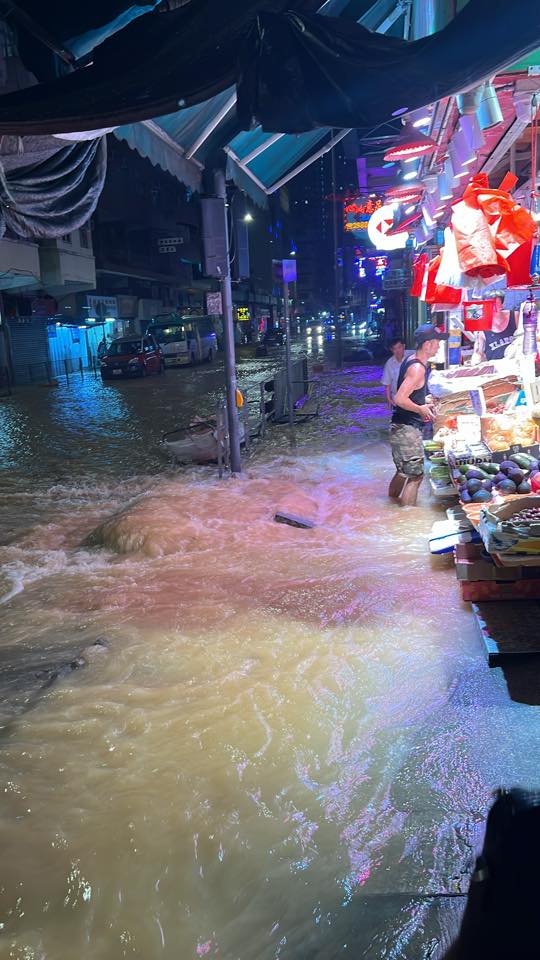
501, 432
530, 515
439, 471
478, 484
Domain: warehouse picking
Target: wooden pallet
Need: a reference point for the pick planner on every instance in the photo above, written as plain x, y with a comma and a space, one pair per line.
508, 630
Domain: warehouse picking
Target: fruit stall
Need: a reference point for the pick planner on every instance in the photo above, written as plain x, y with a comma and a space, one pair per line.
485, 454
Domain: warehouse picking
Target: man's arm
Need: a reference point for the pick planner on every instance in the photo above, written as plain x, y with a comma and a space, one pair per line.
386, 381
479, 352
414, 380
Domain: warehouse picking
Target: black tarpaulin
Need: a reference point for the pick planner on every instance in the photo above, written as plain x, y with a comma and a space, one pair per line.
301, 72
55, 194
154, 65
295, 72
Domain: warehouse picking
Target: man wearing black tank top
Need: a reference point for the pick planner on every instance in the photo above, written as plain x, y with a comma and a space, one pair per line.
412, 410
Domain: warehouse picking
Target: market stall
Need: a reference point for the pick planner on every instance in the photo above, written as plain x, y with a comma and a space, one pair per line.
485, 450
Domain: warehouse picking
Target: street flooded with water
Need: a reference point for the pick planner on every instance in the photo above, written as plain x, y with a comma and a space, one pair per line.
285, 743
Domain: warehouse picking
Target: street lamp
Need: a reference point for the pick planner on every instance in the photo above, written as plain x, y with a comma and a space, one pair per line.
248, 218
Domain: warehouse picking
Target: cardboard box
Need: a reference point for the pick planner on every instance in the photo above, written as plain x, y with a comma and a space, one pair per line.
475, 570
482, 591
468, 551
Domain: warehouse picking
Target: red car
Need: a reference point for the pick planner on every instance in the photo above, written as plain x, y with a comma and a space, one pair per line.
135, 356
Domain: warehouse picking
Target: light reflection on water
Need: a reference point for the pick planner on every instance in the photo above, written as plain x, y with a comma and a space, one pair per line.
292, 736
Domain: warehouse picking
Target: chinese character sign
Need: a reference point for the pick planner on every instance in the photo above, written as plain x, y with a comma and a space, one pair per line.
357, 213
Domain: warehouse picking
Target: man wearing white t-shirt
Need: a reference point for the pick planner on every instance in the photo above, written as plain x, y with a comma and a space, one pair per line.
392, 367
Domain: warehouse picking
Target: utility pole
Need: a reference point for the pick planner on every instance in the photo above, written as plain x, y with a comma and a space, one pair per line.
288, 356
220, 186
339, 346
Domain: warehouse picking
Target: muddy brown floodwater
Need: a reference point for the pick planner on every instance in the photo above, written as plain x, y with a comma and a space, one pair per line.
289, 745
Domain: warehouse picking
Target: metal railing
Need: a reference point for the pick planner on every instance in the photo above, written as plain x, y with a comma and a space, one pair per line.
47, 371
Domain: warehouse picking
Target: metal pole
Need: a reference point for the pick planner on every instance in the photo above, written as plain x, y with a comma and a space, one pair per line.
339, 346
228, 338
245, 418
263, 411
219, 438
288, 356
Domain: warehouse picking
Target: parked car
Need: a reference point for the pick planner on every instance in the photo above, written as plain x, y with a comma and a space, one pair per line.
185, 340
274, 338
135, 356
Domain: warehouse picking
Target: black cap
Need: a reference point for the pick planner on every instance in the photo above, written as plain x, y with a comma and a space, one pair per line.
427, 331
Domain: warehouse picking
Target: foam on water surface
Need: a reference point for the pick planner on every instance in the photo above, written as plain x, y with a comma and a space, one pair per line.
293, 739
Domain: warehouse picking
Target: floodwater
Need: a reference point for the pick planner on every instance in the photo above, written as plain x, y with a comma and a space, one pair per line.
287, 745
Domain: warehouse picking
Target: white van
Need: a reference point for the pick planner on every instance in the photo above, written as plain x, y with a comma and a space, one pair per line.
185, 340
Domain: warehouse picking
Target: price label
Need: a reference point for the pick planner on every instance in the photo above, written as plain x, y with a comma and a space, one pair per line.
469, 428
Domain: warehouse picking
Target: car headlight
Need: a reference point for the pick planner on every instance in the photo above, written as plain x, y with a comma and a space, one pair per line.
131, 362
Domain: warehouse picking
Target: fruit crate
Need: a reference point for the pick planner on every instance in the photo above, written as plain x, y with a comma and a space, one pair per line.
502, 535
477, 453
498, 456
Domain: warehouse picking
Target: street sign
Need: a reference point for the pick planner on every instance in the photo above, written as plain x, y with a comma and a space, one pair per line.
101, 308
397, 279
289, 271
214, 306
170, 241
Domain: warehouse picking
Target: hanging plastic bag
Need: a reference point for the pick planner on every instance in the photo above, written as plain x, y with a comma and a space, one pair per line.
439, 293
509, 224
449, 273
519, 266
474, 243
419, 270
478, 315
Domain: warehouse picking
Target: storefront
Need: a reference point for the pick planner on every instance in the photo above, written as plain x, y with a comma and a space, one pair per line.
484, 454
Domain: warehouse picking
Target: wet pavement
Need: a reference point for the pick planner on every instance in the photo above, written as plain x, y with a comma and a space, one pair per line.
287, 747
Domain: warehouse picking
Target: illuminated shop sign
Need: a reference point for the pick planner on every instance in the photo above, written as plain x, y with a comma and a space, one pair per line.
357, 213
376, 265
380, 224
242, 314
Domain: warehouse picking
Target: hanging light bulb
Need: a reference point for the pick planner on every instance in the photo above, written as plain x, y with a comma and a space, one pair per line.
445, 182
430, 182
470, 128
410, 143
469, 101
459, 171
523, 104
489, 109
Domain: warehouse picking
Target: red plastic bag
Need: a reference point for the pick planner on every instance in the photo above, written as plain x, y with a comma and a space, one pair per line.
476, 249
419, 270
519, 266
436, 292
486, 214
478, 315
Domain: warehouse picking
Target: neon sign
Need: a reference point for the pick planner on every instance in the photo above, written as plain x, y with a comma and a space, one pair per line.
380, 264
380, 223
357, 213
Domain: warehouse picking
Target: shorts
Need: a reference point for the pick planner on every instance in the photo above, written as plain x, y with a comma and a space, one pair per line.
407, 449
